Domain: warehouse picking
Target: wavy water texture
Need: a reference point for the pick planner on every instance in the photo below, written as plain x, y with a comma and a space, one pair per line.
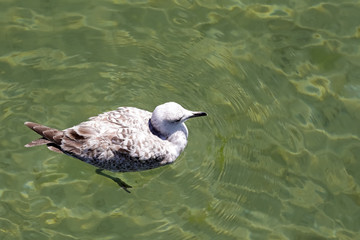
276, 158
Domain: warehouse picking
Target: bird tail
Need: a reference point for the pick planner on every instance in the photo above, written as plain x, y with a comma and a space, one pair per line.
50, 136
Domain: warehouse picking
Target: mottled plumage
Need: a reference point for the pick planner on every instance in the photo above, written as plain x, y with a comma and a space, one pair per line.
126, 139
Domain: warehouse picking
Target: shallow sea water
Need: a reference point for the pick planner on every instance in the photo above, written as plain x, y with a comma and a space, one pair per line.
277, 157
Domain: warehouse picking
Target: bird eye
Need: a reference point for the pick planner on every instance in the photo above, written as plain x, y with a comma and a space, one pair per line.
177, 120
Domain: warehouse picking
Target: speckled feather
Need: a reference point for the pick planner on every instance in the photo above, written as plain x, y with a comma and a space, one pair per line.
120, 140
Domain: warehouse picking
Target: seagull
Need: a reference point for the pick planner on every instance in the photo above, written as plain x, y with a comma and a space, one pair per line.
127, 139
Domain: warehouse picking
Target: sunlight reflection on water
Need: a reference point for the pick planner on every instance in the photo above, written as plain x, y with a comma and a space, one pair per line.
275, 159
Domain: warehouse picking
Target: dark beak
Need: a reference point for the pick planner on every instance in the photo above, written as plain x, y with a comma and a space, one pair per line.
198, 114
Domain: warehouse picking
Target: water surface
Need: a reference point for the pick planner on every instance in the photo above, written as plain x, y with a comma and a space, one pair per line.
277, 157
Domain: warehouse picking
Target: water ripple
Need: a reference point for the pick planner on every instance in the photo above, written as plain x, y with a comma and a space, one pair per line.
276, 157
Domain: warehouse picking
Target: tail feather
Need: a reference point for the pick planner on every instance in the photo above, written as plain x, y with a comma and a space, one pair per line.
37, 142
49, 135
38, 128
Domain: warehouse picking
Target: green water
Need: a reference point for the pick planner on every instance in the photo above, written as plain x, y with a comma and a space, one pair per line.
277, 157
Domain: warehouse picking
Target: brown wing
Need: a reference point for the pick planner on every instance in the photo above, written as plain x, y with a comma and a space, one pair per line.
105, 141
94, 140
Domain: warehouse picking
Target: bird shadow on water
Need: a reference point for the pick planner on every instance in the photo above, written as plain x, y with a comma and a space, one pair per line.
119, 182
